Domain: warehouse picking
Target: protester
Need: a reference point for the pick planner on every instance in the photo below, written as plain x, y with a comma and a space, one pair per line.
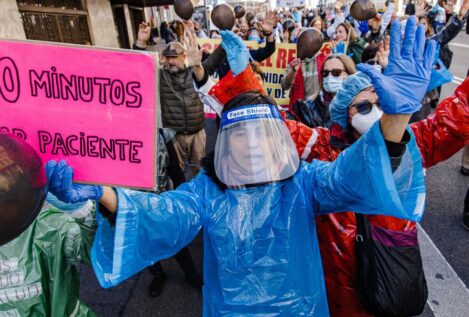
318, 24
259, 217
315, 112
262, 53
443, 37
181, 108
438, 138
439, 13
166, 33
37, 267
347, 42
303, 78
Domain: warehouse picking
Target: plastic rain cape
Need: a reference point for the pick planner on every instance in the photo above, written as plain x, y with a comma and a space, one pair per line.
254, 146
261, 254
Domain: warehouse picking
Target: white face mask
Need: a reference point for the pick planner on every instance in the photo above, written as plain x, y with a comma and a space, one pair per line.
362, 122
332, 84
378, 67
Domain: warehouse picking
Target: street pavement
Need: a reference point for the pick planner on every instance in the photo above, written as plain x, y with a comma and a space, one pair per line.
444, 243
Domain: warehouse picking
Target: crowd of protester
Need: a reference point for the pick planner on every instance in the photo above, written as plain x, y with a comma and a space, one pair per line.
278, 238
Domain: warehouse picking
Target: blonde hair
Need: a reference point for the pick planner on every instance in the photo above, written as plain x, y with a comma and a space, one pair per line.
351, 35
348, 63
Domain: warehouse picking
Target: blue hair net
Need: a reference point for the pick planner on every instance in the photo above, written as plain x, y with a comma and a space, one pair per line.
351, 86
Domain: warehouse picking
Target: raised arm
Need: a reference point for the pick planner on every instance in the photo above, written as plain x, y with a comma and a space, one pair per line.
364, 177
446, 131
148, 227
404, 82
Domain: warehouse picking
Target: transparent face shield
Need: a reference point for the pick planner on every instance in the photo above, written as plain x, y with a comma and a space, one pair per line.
254, 146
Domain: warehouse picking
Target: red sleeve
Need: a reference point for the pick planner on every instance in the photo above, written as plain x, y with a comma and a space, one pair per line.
446, 131
311, 143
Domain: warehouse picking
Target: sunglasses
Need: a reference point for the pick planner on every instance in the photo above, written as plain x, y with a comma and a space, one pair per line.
335, 72
365, 106
372, 62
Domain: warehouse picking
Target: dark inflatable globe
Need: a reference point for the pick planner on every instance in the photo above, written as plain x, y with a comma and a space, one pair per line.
309, 43
184, 8
22, 186
239, 11
223, 16
363, 10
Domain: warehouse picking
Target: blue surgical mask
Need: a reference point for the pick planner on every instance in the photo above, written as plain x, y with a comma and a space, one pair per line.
332, 84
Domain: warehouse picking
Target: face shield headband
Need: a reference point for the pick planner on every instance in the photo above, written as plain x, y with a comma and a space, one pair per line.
254, 146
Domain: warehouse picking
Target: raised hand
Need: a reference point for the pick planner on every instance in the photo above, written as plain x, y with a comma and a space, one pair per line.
194, 54
236, 52
143, 35
404, 82
421, 8
60, 183
383, 52
449, 6
267, 25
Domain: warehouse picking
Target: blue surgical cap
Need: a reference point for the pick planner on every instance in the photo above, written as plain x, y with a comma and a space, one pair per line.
350, 88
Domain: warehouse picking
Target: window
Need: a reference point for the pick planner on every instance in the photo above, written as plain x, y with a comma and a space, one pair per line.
55, 20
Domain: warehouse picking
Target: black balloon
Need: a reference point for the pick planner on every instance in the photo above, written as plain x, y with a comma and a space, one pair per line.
362, 10
289, 25
309, 43
239, 11
22, 186
223, 16
184, 9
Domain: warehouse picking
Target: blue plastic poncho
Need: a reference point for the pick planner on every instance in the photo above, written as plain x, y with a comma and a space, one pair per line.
261, 255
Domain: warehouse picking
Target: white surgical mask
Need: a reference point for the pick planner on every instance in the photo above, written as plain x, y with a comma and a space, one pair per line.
378, 67
362, 122
332, 84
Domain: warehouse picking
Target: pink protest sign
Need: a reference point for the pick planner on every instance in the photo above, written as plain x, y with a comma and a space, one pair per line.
94, 108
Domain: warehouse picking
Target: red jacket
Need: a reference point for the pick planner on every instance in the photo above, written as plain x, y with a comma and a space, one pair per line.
439, 137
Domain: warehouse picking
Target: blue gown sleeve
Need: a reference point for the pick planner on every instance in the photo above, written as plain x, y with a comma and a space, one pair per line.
361, 179
149, 227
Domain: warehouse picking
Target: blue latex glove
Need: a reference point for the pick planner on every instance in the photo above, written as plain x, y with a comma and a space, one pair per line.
59, 181
404, 82
363, 26
236, 52
339, 48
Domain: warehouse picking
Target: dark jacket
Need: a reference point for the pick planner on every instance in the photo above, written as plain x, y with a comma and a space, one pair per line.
355, 50
258, 55
181, 108
167, 35
446, 35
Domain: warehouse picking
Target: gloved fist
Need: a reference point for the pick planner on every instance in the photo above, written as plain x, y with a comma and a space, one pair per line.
404, 82
59, 181
236, 52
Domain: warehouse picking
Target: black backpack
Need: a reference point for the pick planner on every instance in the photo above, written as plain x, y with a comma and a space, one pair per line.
391, 280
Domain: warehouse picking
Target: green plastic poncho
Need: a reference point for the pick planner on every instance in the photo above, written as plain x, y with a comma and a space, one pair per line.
37, 272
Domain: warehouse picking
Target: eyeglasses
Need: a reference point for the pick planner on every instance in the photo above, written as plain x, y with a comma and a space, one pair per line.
365, 106
372, 62
335, 72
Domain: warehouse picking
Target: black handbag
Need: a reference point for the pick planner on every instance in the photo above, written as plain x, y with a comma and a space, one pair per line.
391, 280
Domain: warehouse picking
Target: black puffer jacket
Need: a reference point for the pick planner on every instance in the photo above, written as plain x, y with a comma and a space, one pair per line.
181, 107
